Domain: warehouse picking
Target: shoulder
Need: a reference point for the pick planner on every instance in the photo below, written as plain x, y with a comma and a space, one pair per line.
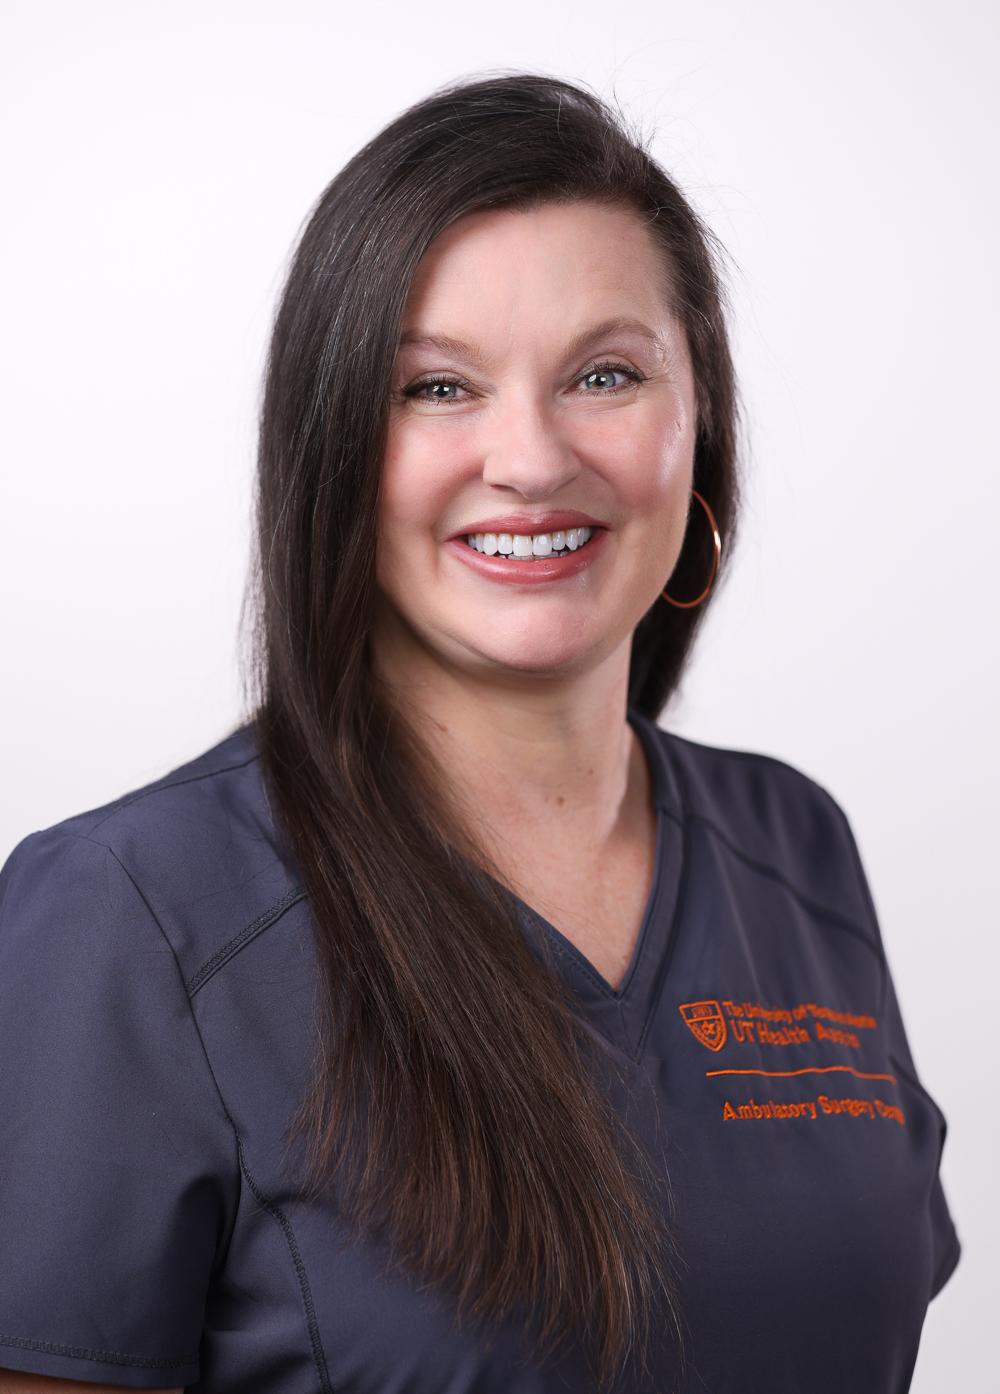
197, 850
776, 818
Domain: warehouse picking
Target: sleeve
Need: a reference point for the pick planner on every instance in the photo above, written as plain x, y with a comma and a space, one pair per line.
118, 1163
947, 1249
945, 1244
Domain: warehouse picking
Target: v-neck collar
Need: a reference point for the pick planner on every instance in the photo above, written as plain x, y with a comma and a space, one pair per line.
626, 1011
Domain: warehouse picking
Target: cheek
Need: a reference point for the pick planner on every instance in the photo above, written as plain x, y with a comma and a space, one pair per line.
424, 470
653, 481
420, 473
648, 461
406, 480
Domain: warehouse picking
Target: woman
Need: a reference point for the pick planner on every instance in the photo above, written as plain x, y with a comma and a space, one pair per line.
451, 1027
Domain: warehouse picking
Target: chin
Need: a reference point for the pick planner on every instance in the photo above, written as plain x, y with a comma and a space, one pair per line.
542, 655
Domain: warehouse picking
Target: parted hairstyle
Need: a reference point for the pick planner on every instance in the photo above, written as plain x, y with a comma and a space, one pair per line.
455, 1112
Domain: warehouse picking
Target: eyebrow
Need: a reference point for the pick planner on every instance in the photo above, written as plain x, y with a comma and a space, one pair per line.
612, 326
473, 354
470, 352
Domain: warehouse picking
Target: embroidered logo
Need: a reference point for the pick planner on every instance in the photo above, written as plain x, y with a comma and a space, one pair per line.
707, 1022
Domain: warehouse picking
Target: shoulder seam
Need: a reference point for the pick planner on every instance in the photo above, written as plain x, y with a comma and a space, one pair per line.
162, 786
870, 937
194, 1020
230, 949
753, 756
815, 907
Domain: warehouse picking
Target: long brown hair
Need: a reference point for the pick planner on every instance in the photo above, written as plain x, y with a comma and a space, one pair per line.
456, 1110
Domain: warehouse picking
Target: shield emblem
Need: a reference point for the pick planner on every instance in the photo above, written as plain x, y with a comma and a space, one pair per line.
707, 1022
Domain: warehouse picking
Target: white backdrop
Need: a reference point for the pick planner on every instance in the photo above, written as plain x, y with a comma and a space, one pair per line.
159, 158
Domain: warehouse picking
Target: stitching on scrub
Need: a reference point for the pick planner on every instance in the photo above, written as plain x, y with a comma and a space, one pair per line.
197, 1030
641, 949
241, 940
566, 950
753, 758
866, 896
813, 906
579, 961
270, 1206
278, 1214
105, 1357
668, 955
762, 868
660, 755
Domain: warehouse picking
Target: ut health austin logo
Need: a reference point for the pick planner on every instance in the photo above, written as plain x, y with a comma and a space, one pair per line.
707, 1022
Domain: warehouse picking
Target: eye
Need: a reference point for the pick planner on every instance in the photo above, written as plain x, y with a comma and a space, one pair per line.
608, 379
435, 390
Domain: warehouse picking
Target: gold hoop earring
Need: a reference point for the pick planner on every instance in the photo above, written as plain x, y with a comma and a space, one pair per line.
690, 604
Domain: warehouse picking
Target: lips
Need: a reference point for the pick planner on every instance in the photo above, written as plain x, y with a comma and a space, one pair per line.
528, 524
543, 566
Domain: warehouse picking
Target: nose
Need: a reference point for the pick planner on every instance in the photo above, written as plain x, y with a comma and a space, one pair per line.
527, 453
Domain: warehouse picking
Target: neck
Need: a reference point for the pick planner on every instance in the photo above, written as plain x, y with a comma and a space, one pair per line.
522, 755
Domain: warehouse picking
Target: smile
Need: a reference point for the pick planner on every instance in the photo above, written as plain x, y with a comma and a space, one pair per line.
532, 559
529, 546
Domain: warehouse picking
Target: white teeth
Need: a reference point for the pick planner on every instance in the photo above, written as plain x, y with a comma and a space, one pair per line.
524, 545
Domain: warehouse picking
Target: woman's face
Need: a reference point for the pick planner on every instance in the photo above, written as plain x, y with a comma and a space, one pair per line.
542, 386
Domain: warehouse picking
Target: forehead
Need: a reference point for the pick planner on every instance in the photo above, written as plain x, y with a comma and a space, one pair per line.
555, 264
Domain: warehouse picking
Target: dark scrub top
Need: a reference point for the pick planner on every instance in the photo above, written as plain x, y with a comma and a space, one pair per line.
156, 988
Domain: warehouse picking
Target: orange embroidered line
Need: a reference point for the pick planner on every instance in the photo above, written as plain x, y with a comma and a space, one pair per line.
787, 1074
